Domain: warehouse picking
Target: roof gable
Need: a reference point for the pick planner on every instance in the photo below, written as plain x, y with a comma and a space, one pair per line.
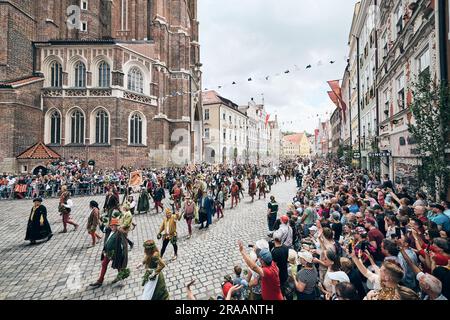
39, 151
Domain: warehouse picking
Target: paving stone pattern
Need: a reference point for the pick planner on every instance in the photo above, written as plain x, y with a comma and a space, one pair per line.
63, 267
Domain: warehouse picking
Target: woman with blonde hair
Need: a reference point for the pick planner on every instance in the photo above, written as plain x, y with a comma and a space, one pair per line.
126, 222
153, 280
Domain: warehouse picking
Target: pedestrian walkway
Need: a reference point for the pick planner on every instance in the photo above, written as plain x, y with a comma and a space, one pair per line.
63, 267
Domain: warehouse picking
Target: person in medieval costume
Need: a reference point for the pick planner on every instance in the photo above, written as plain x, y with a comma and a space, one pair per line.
65, 208
143, 203
115, 250
126, 222
252, 189
93, 222
153, 281
189, 213
158, 197
262, 187
38, 227
132, 204
168, 232
111, 202
177, 195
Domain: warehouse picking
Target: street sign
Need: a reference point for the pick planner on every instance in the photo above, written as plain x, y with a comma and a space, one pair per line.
379, 154
356, 155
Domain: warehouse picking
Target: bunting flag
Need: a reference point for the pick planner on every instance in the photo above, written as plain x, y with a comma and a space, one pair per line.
267, 119
296, 68
336, 87
334, 98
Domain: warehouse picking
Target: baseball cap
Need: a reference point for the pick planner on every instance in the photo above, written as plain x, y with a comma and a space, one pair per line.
313, 228
262, 244
340, 276
266, 256
277, 235
292, 256
306, 255
284, 219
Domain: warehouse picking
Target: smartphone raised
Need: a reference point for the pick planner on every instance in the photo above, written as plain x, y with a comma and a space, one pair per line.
398, 232
363, 246
403, 229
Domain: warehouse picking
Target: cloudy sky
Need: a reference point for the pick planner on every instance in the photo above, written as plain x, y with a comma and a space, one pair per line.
255, 38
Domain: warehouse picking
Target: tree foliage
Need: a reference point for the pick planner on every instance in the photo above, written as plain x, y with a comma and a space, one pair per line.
431, 111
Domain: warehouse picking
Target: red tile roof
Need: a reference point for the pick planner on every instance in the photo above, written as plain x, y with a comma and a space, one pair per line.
39, 151
210, 97
20, 82
295, 138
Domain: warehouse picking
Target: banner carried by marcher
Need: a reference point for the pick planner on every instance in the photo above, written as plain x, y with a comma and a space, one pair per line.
135, 179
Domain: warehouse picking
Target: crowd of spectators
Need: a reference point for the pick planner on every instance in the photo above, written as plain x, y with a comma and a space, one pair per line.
347, 236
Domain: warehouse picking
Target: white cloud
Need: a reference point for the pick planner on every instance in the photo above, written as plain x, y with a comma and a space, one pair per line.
253, 38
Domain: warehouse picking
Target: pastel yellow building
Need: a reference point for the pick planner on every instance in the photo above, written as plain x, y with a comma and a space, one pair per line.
296, 145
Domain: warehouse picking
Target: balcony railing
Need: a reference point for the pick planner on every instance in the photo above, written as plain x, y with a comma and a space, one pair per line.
99, 92
58, 92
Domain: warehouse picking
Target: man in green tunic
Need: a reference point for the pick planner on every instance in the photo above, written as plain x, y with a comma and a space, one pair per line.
115, 250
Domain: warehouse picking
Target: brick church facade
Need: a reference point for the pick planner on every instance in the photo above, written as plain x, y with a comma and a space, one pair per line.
122, 89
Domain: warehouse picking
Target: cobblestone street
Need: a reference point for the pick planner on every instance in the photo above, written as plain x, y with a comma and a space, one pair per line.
63, 267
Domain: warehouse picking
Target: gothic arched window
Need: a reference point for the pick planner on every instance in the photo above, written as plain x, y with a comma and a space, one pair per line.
55, 128
136, 129
77, 127
135, 80
55, 75
101, 127
80, 75
104, 75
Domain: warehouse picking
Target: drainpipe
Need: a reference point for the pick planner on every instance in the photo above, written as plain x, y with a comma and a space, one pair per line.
377, 99
359, 101
443, 38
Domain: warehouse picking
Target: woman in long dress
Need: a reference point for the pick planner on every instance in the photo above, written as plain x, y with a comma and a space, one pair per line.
153, 282
143, 203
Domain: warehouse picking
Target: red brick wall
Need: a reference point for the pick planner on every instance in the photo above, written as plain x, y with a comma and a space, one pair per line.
21, 124
26, 128
119, 153
16, 33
